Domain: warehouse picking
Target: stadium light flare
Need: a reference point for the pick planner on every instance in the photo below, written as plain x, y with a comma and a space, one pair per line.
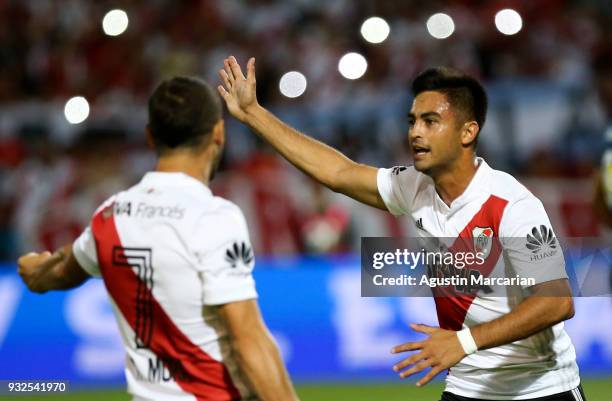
76, 110
292, 84
440, 26
375, 30
115, 22
352, 66
508, 21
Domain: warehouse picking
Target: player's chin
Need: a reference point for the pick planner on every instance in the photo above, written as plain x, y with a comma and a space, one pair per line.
422, 164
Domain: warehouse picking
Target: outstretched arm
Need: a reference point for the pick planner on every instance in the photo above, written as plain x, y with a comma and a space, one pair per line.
46, 271
323, 163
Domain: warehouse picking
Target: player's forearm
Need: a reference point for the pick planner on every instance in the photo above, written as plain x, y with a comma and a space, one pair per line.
318, 160
531, 316
261, 361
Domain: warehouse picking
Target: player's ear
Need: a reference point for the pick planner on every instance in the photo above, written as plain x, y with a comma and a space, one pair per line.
469, 133
149, 135
218, 133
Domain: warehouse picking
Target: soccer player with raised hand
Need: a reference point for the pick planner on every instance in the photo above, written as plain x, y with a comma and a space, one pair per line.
495, 348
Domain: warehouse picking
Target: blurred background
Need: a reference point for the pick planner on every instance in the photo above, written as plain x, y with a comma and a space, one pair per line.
74, 81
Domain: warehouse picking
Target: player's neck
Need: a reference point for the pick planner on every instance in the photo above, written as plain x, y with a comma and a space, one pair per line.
453, 182
186, 163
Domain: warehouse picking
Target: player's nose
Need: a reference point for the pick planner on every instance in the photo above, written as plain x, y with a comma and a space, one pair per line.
414, 132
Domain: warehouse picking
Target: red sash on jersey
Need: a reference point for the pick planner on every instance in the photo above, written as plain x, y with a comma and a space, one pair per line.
452, 306
204, 377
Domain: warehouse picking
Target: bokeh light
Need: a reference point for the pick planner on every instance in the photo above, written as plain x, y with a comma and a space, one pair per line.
115, 22
375, 30
352, 66
292, 84
508, 21
76, 110
440, 26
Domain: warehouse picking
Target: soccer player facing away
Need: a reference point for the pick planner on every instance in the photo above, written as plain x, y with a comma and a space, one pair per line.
495, 348
176, 262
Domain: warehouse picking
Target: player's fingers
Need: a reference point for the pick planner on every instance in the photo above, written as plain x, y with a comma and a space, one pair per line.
28, 255
228, 71
423, 328
225, 79
411, 360
407, 347
416, 369
251, 70
236, 70
430, 375
222, 91
52, 258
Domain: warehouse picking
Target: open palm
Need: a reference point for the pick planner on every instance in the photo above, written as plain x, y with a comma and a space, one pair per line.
238, 91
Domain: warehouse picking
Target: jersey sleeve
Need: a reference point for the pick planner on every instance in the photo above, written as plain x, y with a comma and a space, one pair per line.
84, 251
397, 187
226, 267
529, 242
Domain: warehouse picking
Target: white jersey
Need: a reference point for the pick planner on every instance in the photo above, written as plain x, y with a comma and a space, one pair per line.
493, 205
168, 252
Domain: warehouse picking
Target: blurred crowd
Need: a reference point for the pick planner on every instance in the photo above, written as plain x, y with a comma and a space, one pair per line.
546, 118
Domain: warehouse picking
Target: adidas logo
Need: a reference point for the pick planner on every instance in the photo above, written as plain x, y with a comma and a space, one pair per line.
541, 239
239, 252
419, 224
398, 169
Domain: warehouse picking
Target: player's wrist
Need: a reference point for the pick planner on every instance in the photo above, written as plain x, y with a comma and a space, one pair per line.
467, 341
253, 112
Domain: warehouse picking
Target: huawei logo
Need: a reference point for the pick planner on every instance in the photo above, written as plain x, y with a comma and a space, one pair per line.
541, 239
239, 252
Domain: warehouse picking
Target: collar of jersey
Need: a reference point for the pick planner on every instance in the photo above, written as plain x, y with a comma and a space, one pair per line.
175, 179
473, 190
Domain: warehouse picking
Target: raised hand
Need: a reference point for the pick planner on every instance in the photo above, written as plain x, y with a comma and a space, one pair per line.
238, 91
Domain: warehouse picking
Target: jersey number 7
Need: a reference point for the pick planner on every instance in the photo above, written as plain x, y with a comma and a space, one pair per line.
140, 260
